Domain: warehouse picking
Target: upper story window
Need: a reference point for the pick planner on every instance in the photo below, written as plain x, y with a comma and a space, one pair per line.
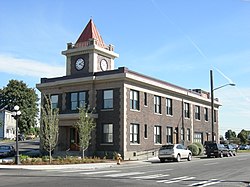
215, 116
157, 104
107, 99
145, 99
186, 110
134, 100
169, 107
54, 101
206, 114
145, 131
197, 112
77, 100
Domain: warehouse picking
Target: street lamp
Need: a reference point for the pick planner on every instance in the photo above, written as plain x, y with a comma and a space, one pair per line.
16, 114
212, 100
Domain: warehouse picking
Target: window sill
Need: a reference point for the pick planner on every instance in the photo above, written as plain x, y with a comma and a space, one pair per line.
169, 115
134, 110
109, 144
159, 114
135, 144
107, 109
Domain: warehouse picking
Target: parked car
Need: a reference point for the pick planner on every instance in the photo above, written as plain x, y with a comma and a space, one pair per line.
174, 152
30, 137
21, 137
244, 147
231, 149
216, 150
7, 151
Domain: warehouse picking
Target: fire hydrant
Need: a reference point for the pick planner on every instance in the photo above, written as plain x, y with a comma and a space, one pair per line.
119, 159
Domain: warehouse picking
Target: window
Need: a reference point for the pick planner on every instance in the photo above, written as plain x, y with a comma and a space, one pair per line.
157, 104
169, 134
215, 116
77, 100
198, 137
206, 114
186, 110
157, 134
182, 134
54, 101
169, 107
145, 99
107, 133
145, 131
108, 99
134, 133
197, 112
188, 135
134, 100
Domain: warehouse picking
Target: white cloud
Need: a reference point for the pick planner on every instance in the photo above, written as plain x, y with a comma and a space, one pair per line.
26, 67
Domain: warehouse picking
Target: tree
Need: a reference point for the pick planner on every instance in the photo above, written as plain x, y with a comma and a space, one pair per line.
243, 136
17, 93
84, 126
230, 135
49, 127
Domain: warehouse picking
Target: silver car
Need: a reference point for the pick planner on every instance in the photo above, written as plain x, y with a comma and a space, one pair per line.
174, 152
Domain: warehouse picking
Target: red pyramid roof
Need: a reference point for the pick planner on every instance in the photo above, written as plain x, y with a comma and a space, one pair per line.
90, 31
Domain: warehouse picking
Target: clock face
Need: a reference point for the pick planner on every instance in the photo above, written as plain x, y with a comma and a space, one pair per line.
79, 64
104, 65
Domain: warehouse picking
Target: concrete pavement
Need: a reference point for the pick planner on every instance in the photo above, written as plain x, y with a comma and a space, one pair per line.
87, 166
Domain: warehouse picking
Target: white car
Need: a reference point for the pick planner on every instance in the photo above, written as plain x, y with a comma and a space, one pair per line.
174, 152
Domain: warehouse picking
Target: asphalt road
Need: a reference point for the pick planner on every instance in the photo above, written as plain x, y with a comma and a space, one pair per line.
231, 171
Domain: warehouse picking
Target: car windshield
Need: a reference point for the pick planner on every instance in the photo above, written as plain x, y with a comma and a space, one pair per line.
167, 147
211, 145
4, 147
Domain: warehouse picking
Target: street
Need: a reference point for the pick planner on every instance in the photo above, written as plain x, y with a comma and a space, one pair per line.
227, 171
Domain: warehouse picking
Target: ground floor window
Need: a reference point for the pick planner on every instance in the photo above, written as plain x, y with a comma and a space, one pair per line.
188, 135
107, 133
169, 134
198, 137
134, 133
157, 134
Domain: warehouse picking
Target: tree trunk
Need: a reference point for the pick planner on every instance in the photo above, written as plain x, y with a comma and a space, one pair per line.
83, 153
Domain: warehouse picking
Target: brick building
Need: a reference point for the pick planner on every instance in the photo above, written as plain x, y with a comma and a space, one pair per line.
134, 113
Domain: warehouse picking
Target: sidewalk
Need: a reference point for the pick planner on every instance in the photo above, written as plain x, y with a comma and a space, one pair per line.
89, 166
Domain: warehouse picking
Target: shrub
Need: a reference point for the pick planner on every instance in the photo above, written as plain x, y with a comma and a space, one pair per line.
200, 147
194, 149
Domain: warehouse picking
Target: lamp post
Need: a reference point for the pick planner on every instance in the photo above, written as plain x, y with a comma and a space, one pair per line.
212, 100
16, 115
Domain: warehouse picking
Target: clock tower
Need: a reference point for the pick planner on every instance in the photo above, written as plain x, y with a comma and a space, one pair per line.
89, 54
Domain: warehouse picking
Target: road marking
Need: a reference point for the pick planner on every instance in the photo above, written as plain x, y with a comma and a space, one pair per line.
206, 183
150, 176
72, 171
100, 172
240, 159
174, 179
124, 174
214, 163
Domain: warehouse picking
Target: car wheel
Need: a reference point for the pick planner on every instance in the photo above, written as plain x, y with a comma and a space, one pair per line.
162, 160
221, 155
178, 158
189, 157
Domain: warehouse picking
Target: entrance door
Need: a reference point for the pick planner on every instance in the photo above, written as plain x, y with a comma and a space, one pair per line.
74, 140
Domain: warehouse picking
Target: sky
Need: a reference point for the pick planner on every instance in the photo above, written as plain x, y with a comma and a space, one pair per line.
178, 41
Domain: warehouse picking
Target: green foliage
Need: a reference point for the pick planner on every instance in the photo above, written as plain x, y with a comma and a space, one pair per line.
17, 93
230, 135
49, 127
84, 126
243, 136
200, 147
194, 149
